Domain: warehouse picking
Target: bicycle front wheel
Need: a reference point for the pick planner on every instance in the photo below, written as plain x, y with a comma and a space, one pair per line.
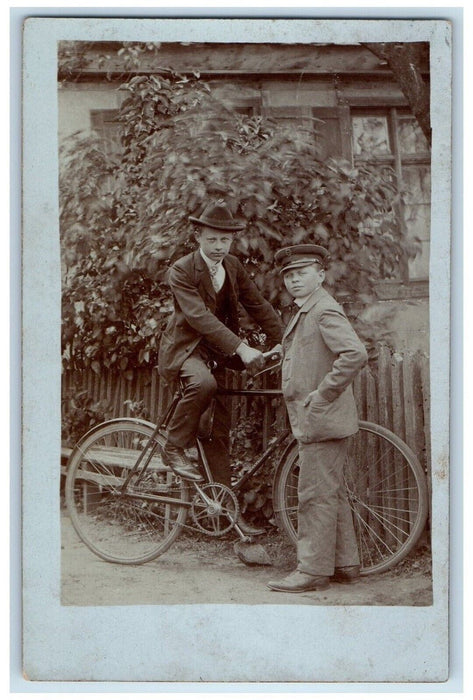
139, 524
386, 488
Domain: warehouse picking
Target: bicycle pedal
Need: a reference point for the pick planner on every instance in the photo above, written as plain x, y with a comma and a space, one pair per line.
247, 539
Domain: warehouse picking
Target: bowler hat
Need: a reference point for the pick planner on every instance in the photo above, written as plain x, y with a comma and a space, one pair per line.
218, 215
301, 256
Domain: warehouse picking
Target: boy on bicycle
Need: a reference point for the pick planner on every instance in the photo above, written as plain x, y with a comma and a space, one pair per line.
207, 286
321, 356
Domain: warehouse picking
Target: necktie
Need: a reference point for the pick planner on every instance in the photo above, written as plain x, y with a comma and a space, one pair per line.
213, 276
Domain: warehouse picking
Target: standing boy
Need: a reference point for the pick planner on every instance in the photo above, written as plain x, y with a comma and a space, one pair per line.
321, 357
207, 286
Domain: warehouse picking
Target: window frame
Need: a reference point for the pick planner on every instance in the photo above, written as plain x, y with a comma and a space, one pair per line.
393, 114
342, 116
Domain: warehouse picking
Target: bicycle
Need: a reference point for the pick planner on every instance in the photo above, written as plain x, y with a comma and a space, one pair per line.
129, 508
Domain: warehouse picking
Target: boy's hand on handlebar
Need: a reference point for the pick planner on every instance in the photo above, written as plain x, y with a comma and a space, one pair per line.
252, 359
275, 353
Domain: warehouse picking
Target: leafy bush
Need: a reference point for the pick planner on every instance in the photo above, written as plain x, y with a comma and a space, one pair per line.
124, 214
79, 413
246, 446
124, 217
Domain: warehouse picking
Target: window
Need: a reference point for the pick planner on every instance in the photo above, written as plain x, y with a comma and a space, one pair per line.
394, 137
370, 136
383, 136
104, 123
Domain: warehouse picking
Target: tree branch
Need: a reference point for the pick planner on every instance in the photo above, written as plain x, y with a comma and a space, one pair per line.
405, 61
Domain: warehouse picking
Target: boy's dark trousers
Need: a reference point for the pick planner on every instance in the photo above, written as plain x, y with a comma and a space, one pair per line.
200, 386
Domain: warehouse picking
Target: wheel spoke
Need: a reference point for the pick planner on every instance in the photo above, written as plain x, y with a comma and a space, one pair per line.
365, 549
214, 509
387, 522
371, 531
122, 527
386, 489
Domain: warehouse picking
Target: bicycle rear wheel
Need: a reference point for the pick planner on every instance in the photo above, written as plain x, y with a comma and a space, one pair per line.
386, 488
133, 527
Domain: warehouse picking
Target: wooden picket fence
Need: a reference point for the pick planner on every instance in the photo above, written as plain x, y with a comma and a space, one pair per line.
394, 393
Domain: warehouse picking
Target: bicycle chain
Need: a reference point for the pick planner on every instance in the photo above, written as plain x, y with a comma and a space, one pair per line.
198, 528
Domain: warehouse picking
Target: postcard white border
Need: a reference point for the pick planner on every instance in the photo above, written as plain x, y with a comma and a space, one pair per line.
64, 643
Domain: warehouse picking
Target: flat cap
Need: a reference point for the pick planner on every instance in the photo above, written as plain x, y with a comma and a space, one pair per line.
301, 256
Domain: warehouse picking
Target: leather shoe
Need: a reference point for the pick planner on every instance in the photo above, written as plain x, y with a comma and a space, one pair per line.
346, 574
248, 529
176, 458
297, 582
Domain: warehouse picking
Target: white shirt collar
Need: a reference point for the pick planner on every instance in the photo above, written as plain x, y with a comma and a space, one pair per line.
210, 263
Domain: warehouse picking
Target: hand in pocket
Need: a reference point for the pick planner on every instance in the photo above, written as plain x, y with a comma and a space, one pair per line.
314, 399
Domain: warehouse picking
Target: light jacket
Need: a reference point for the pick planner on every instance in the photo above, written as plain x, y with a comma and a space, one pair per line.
322, 353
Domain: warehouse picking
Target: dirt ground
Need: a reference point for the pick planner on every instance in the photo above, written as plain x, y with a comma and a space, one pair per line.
206, 570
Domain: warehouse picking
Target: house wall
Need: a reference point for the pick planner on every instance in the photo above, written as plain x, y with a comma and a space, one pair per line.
329, 91
75, 101
226, 59
75, 105
410, 325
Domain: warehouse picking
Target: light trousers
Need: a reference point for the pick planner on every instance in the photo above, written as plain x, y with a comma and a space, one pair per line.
326, 536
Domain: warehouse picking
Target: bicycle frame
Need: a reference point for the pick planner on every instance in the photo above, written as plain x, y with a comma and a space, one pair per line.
390, 507
152, 444
269, 450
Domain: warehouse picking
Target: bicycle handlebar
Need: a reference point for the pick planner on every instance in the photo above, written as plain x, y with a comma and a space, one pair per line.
271, 355
268, 355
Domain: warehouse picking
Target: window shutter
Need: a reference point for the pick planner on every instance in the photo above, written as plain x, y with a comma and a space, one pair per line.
334, 131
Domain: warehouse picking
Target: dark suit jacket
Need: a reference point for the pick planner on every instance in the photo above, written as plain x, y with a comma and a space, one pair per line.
194, 319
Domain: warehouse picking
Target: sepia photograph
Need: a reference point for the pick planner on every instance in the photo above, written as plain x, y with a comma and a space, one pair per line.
173, 157
244, 236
